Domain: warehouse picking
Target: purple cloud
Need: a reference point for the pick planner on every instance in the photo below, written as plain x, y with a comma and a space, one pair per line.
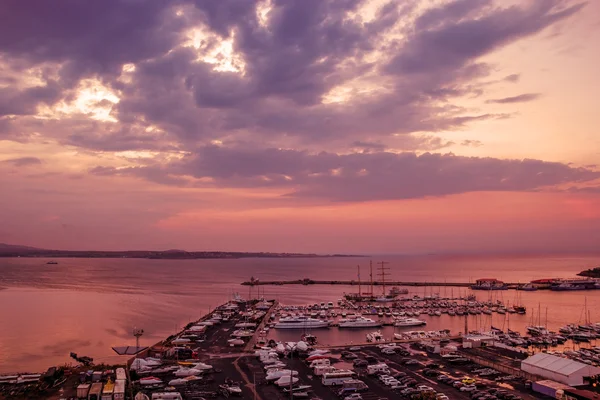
23, 161
357, 176
522, 98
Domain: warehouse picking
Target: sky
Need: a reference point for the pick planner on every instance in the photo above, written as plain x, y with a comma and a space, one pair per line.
356, 126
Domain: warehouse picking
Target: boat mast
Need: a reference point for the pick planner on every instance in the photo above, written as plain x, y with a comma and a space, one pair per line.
383, 268
359, 291
371, 275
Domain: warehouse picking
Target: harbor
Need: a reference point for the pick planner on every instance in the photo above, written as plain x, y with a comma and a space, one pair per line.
376, 340
261, 349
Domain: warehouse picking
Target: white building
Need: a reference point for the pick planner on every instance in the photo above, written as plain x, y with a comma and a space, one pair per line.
473, 341
558, 369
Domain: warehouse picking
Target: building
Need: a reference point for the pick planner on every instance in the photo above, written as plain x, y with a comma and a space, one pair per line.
575, 394
474, 341
558, 369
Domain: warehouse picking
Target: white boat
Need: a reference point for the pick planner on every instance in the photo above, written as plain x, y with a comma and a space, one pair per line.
301, 322
183, 372
409, 322
236, 342
286, 381
537, 330
375, 337
275, 375
245, 325
141, 396
359, 322
302, 346
242, 333
150, 380
202, 366
183, 381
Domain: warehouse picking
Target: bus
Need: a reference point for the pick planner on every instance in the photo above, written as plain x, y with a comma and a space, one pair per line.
337, 377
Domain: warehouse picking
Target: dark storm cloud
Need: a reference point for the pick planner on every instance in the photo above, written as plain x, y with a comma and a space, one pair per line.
522, 98
358, 176
23, 161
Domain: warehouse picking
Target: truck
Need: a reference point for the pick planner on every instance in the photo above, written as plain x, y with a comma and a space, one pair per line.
381, 368
95, 391
120, 373
119, 393
82, 391
550, 388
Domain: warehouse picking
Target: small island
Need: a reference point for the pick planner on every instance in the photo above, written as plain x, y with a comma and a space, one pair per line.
591, 273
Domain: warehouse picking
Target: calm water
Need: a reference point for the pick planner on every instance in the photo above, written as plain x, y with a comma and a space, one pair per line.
89, 305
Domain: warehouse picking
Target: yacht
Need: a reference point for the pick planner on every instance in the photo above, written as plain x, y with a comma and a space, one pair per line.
301, 322
537, 330
409, 322
359, 322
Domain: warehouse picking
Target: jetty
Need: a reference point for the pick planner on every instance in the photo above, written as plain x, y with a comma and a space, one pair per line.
308, 281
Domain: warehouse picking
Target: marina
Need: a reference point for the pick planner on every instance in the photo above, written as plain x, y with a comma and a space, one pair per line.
216, 355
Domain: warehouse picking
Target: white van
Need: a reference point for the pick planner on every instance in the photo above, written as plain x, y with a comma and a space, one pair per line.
323, 369
321, 362
378, 369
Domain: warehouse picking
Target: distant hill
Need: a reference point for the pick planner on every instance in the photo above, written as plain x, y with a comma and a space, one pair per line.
7, 248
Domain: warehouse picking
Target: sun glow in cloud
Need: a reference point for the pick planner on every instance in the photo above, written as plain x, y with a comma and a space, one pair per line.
92, 98
215, 50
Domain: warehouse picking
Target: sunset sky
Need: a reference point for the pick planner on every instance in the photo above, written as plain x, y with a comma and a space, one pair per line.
309, 125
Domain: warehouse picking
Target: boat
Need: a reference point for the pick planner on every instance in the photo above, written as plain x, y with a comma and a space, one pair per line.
301, 322
274, 375
150, 380
286, 380
409, 322
359, 322
141, 396
489, 284
183, 381
528, 287
574, 284
375, 337
537, 330
232, 389
236, 342
52, 262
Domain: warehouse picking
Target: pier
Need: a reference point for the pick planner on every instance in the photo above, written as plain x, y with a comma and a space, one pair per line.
308, 281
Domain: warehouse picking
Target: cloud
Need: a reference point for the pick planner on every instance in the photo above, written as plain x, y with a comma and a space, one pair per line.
471, 143
23, 161
358, 176
522, 98
310, 74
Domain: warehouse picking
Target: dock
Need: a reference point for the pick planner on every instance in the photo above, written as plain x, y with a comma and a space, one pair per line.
308, 281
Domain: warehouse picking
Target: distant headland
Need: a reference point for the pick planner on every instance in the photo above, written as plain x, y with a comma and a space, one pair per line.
592, 272
7, 250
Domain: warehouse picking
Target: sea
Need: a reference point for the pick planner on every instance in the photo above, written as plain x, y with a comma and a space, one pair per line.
87, 306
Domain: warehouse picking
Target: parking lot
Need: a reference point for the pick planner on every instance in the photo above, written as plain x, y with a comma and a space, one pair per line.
411, 374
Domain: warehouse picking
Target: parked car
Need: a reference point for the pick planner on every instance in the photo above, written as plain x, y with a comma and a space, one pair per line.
433, 365
350, 356
353, 396
468, 388
360, 362
371, 360
468, 380
355, 348
458, 384
388, 351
